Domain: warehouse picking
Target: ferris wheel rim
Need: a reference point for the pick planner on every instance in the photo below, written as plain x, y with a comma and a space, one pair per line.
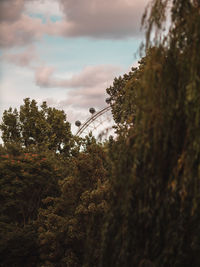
92, 119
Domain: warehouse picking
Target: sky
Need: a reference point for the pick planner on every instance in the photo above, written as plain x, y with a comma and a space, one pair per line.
66, 52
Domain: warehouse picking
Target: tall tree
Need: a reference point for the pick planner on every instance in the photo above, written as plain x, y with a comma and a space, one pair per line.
154, 217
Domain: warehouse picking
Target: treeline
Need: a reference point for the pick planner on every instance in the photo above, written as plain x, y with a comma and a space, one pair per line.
54, 189
130, 201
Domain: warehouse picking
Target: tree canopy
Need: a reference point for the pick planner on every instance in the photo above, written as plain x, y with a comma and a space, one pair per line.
44, 127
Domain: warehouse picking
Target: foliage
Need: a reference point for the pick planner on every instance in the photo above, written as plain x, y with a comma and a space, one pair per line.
154, 217
18, 246
26, 177
70, 228
122, 110
123, 95
46, 127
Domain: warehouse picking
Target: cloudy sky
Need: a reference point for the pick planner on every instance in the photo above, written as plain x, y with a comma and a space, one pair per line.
66, 52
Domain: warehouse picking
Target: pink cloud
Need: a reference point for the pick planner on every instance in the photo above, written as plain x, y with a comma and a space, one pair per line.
21, 32
24, 59
85, 88
102, 19
97, 19
43, 76
85, 98
10, 10
17, 28
90, 76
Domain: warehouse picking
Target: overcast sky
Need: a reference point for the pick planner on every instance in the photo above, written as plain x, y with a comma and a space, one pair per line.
66, 52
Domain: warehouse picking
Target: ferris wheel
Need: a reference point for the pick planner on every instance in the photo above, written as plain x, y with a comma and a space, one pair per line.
100, 123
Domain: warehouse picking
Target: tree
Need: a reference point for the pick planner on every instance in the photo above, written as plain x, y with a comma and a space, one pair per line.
44, 127
117, 93
70, 228
18, 245
26, 177
154, 216
123, 95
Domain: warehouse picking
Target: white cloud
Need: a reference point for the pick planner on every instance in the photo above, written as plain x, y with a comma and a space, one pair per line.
45, 7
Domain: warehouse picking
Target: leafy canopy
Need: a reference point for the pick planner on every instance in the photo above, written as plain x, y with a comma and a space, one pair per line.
44, 127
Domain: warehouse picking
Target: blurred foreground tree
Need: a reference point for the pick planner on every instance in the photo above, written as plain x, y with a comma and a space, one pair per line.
154, 217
